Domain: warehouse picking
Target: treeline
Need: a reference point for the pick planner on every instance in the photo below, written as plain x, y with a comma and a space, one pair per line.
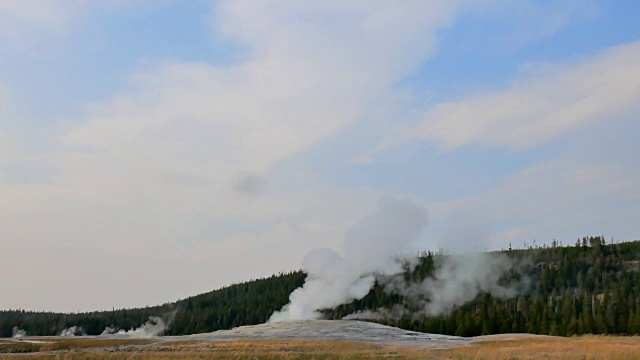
240, 304
589, 287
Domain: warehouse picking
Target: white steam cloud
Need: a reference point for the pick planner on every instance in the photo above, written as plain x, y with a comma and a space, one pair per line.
371, 253
457, 280
371, 248
396, 312
18, 333
154, 327
108, 331
461, 278
72, 331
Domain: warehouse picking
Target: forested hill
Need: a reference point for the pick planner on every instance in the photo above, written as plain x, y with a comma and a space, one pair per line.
588, 287
239, 304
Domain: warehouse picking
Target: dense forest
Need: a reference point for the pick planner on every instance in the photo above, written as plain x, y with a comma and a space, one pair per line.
588, 287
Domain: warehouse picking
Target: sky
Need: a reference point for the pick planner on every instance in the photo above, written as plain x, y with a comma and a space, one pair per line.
154, 150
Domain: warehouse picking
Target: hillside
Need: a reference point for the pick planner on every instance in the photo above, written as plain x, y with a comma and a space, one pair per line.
589, 287
246, 303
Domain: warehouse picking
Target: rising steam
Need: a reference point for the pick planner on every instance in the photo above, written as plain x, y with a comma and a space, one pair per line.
371, 253
108, 331
72, 331
371, 249
18, 333
458, 279
154, 327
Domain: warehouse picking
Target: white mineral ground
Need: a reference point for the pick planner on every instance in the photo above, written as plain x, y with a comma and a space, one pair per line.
327, 329
25, 340
345, 330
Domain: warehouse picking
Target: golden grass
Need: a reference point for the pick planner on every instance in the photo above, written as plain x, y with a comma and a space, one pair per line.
586, 347
59, 344
271, 346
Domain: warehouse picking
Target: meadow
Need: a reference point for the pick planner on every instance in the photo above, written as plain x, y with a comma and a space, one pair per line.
492, 347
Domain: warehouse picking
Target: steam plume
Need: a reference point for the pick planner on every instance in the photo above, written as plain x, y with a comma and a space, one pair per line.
154, 327
461, 278
18, 333
396, 312
72, 331
458, 279
108, 331
371, 249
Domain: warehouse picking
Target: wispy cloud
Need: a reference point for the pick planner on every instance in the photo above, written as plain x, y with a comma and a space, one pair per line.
115, 186
210, 167
558, 198
535, 110
22, 22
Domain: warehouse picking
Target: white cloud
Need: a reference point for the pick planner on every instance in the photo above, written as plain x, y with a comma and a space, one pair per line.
43, 13
150, 186
536, 110
23, 21
302, 84
151, 170
28, 25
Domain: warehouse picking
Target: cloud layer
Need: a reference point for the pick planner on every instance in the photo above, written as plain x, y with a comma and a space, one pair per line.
163, 169
240, 157
540, 108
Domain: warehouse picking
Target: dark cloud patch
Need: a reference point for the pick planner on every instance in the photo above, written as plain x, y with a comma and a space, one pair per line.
251, 185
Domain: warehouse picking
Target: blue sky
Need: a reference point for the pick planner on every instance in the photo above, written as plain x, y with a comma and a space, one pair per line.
160, 149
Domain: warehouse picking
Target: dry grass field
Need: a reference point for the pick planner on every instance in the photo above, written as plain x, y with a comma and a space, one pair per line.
585, 347
491, 347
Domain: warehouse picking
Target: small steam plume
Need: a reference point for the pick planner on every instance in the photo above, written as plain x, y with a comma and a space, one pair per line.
396, 312
458, 279
154, 327
72, 331
18, 333
461, 278
371, 249
108, 331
